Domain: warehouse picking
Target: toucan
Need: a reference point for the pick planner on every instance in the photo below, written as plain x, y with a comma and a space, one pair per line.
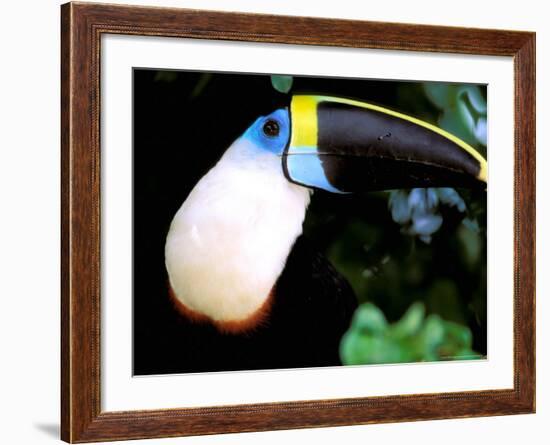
240, 272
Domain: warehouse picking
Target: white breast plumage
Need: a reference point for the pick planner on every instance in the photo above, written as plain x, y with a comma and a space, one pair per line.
229, 241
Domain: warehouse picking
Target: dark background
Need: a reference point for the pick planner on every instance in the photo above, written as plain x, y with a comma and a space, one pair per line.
184, 121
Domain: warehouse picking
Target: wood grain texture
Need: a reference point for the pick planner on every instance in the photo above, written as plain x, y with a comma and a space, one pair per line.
82, 26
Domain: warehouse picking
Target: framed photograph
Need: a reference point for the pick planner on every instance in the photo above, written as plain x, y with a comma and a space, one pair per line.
275, 222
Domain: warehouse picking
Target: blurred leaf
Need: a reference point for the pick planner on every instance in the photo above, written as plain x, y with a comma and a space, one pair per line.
166, 76
480, 131
471, 224
369, 319
283, 84
471, 245
433, 332
426, 224
461, 334
399, 206
422, 200
477, 101
411, 321
455, 121
467, 118
441, 94
201, 84
451, 197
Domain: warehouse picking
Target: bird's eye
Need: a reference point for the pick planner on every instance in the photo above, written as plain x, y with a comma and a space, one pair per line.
271, 128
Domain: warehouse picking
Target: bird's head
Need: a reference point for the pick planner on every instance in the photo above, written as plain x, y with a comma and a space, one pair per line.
343, 146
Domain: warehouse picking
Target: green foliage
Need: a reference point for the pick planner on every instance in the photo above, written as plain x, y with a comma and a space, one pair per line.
282, 84
413, 338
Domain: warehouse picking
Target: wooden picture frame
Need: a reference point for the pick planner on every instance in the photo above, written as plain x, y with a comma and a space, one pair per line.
82, 25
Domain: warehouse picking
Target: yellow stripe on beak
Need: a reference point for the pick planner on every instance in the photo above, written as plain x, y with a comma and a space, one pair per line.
303, 112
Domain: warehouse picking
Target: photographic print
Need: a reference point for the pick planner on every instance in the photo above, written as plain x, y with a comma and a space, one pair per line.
287, 221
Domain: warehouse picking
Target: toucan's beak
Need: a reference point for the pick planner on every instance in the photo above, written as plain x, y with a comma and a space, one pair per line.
343, 146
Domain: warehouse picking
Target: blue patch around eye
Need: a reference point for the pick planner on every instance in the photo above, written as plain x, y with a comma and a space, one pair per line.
275, 144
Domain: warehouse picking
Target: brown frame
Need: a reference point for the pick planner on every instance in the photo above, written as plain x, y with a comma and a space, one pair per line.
82, 25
